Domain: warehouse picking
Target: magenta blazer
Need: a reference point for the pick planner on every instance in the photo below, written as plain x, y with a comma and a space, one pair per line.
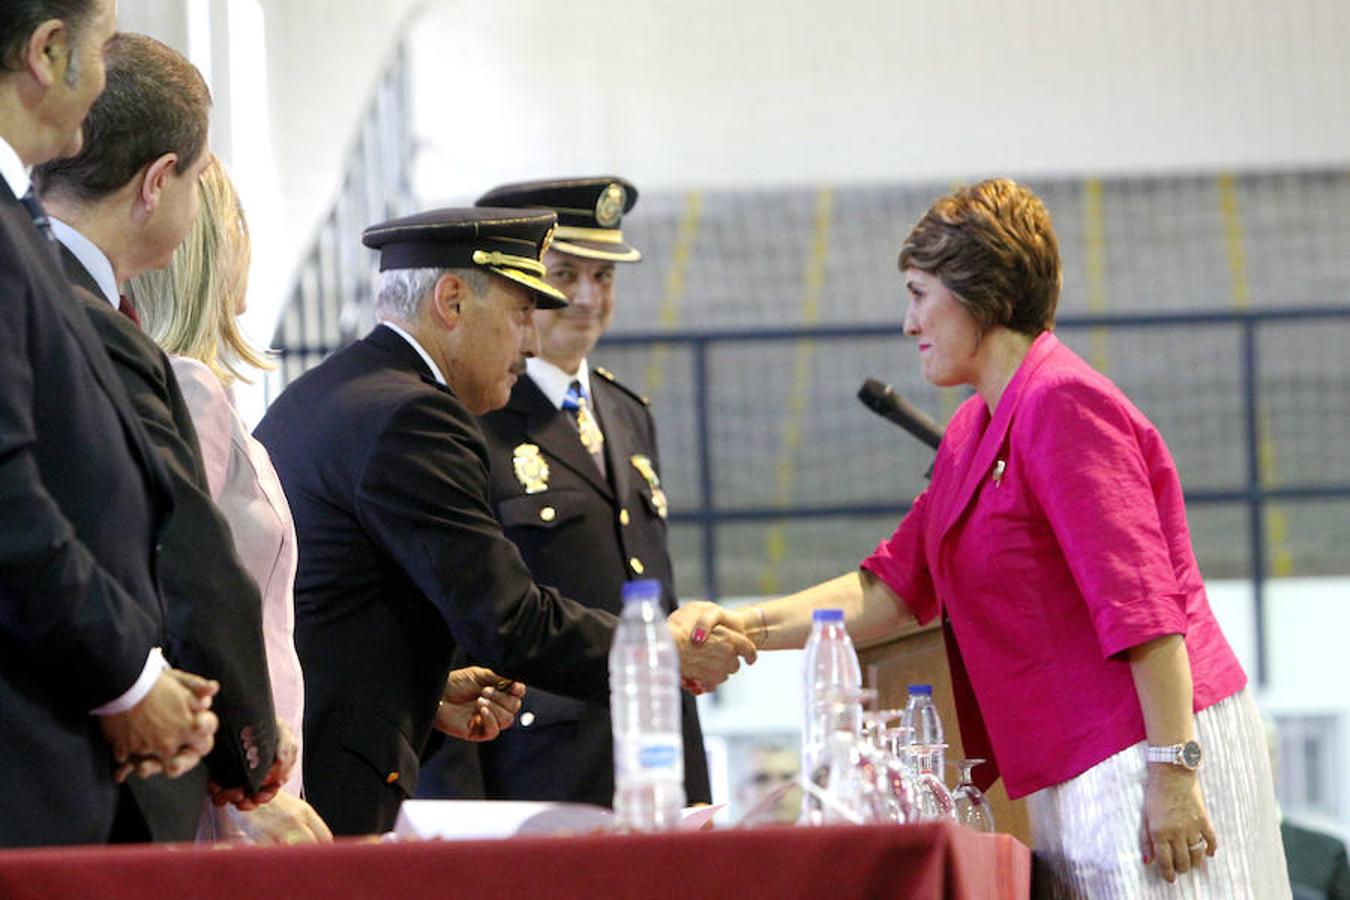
1054, 538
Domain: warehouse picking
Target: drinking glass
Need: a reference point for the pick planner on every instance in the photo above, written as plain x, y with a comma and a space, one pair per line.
841, 787
933, 800
972, 807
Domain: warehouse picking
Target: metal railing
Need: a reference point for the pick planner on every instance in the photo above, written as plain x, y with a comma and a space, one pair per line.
331, 301
708, 514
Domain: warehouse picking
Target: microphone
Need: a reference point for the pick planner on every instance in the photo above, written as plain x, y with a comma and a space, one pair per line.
885, 402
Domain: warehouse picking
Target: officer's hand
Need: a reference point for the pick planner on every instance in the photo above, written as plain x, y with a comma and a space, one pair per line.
477, 704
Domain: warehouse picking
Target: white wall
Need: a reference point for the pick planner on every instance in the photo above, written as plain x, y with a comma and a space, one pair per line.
770, 92
291, 80
762, 92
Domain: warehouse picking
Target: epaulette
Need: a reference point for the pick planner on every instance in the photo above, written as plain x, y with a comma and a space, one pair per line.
609, 376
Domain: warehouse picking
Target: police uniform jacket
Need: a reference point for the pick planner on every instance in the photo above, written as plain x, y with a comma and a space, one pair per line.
587, 535
400, 560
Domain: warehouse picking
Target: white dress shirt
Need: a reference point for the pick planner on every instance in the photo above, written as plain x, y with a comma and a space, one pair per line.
13, 170
412, 341
94, 260
554, 382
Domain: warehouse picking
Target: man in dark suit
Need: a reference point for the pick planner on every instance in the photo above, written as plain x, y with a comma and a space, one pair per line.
84, 499
594, 516
120, 207
401, 557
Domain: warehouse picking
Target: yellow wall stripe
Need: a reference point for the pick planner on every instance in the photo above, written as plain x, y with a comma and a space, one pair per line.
785, 470
1232, 234
1277, 522
668, 315
1094, 266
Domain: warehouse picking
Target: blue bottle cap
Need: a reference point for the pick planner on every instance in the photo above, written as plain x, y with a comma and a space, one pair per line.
921, 689
646, 589
827, 615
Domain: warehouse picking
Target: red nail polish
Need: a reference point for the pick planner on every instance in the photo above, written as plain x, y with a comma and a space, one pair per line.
699, 636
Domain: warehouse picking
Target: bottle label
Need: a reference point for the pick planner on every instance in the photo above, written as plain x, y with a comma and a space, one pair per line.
652, 757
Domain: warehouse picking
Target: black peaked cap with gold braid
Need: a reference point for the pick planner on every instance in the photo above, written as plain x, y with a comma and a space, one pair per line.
590, 211
508, 242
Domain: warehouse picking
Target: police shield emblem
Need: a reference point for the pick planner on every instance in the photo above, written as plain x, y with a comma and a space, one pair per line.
609, 208
531, 468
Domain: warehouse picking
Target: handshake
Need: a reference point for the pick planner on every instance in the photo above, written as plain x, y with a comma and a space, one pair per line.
712, 641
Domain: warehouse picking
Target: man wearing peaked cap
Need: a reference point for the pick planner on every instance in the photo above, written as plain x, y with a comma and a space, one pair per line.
402, 562
505, 241
576, 483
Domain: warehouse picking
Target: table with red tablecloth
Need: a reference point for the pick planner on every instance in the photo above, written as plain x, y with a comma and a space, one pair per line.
937, 860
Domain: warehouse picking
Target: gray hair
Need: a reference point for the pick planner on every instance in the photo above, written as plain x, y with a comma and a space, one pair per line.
401, 291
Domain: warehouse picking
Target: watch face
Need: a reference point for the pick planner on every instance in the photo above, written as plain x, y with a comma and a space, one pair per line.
1190, 754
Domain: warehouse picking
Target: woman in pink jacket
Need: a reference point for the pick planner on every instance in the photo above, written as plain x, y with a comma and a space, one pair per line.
1053, 538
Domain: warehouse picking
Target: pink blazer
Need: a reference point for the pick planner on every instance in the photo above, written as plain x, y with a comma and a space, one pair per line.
1054, 538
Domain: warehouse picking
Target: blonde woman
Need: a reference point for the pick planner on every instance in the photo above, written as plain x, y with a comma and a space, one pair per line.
189, 308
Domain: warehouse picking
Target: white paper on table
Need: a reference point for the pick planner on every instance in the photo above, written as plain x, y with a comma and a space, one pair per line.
692, 818
475, 819
481, 819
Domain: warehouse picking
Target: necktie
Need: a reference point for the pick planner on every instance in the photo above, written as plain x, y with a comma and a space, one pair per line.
592, 438
125, 308
40, 221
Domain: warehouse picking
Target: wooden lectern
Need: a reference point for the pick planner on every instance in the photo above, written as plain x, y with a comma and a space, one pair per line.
921, 658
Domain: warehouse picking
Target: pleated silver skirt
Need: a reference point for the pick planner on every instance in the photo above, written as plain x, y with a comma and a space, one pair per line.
1087, 831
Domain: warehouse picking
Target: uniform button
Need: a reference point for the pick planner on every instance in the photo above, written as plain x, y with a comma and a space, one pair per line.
391, 778
624, 518
636, 565
548, 514
526, 719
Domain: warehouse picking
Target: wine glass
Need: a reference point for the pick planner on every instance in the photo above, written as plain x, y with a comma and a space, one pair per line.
892, 798
972, 807
896, 776
933, 800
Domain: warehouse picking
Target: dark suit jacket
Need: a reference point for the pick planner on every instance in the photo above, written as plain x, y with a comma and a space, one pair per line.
401, 559
213, 605
83, 502
582, 535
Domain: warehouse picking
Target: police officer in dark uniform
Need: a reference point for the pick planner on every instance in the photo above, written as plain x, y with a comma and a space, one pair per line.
576, 483
401, 559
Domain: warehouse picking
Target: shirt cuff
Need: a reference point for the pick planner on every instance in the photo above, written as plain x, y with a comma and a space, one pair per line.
154, 664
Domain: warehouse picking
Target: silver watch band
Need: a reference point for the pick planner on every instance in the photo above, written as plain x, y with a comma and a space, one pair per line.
1187, 755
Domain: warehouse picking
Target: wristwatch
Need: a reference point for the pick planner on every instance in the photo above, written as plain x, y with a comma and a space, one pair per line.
1186, 755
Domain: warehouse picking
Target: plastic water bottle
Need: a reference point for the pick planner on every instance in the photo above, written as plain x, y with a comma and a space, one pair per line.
830, 672
921, 717
644, 704
934, 801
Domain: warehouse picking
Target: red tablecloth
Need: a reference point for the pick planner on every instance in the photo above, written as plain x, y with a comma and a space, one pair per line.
920, 861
